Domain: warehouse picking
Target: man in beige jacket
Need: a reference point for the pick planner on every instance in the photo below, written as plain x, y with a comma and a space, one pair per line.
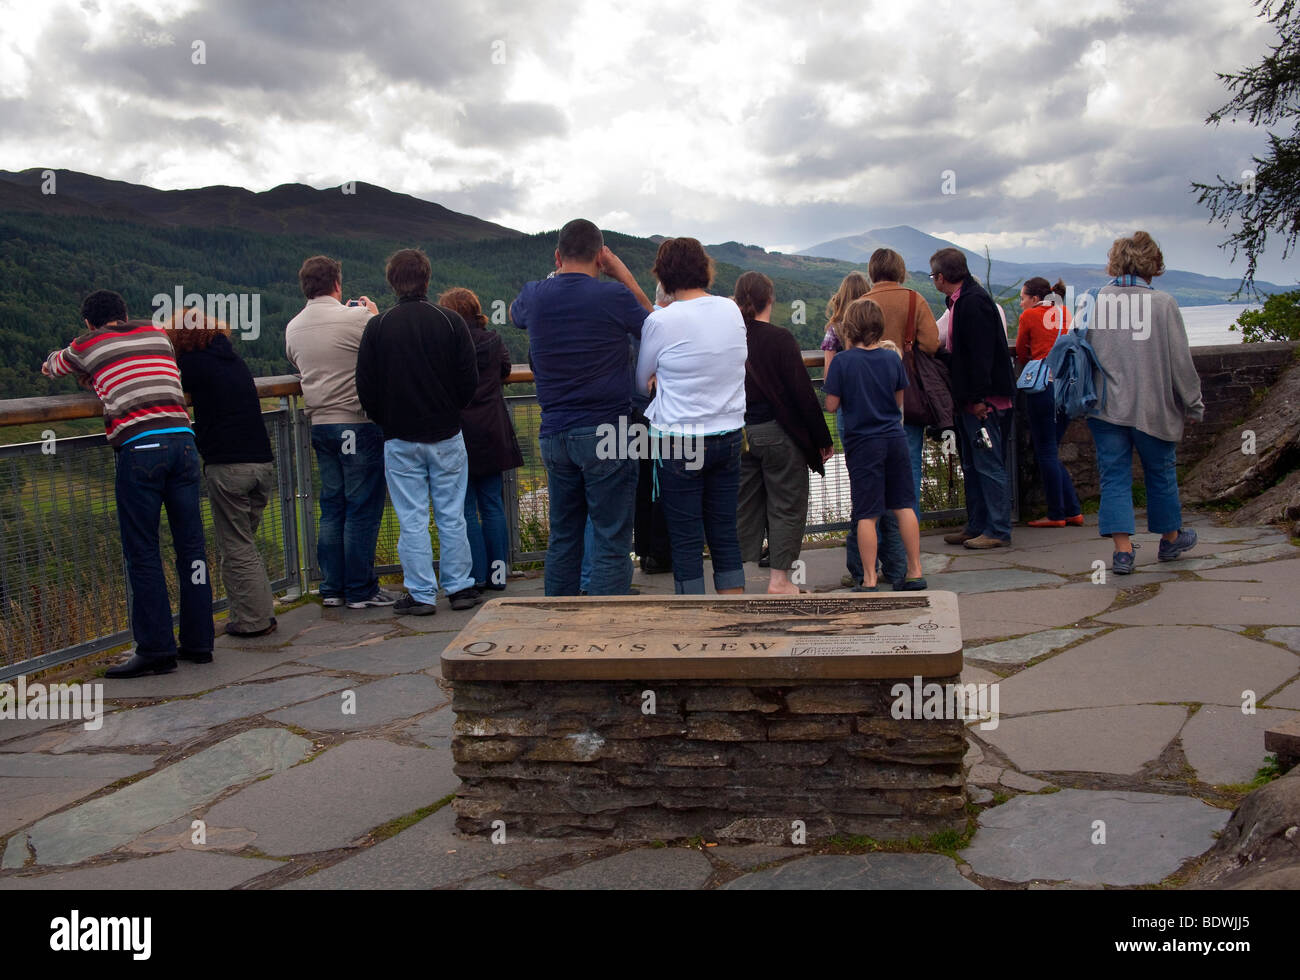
321, 343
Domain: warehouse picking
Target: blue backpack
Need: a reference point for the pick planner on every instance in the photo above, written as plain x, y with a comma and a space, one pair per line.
1072, 362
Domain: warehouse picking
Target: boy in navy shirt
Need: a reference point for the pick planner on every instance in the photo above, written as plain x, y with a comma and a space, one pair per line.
867, 382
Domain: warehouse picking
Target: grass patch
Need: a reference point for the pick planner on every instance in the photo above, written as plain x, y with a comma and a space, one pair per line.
398, 824
947, 842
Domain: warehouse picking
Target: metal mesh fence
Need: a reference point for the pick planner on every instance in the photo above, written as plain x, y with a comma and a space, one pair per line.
829, 501
63, 586
63, 589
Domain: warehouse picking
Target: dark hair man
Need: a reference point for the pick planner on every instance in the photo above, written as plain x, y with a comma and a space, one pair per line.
983, 388
416, 370
133, 371
578, 329
321, 343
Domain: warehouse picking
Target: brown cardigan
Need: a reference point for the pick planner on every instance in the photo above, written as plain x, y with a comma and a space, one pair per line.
892, 299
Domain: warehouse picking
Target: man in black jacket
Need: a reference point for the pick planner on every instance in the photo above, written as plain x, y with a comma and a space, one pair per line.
983, 389
416, 370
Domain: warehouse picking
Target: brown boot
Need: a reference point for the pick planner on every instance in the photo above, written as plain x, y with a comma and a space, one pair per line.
959, 537
984, 541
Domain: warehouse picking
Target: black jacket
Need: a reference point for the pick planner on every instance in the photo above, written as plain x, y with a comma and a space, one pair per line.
489, 436
416, 370
228, 425
775, 375
980, 365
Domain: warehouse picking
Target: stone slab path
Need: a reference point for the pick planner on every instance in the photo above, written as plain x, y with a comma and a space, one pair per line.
1130, 718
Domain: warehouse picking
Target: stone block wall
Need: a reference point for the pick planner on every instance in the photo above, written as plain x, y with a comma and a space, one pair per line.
729, 760
1233, 376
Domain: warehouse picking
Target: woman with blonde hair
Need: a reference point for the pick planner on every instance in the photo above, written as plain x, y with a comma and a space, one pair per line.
1150, 387
237, 468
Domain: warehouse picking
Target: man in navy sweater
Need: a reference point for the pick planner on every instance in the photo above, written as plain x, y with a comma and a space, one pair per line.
578, 329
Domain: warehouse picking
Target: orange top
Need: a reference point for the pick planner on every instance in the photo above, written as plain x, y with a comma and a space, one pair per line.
1039, 330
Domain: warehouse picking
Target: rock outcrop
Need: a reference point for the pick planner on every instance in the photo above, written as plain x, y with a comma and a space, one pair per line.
1256, 459
1260, 847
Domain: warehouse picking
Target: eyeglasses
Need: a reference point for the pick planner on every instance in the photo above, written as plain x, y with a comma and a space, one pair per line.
935, 275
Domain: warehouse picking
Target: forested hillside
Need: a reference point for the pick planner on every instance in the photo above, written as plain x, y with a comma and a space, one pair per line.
48, 262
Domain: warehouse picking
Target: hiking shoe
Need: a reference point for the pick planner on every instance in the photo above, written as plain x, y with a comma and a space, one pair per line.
1170, 550
959, 537
984, 542
380, 598
466, 599
332, 601
138, 666
651, 565
231, 631
1121, 563
408, 605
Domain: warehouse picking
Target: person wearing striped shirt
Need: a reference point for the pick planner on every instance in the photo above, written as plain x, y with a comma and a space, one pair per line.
132, 368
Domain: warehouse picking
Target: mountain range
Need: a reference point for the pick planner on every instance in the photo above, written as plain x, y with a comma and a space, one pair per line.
367, 211
916, 247
356, 209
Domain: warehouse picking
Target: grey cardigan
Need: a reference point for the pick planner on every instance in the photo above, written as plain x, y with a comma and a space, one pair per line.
1141, 346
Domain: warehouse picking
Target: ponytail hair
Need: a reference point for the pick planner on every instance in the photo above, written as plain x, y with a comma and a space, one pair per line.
753, 294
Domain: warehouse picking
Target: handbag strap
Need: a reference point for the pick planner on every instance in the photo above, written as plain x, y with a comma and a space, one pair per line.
909, 334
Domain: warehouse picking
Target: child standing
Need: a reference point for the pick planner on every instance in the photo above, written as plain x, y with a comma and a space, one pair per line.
867, 382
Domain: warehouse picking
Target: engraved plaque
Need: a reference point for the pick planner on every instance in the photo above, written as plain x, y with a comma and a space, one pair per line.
850, 635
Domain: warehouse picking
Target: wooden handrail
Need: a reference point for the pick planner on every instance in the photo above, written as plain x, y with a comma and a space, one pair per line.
64, 408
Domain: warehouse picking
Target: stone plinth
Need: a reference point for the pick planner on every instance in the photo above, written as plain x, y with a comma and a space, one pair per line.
730, 717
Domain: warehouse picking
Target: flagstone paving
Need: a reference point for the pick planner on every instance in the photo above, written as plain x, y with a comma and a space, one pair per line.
109, 821
1092, 837
327, 743
1025, 648
858, 872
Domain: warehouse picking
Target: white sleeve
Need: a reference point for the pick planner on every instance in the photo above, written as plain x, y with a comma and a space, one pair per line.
648, 360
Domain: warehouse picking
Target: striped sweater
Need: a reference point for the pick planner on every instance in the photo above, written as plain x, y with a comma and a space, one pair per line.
133, 369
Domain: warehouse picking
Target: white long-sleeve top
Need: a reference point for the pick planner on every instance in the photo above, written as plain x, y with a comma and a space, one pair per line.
696, 349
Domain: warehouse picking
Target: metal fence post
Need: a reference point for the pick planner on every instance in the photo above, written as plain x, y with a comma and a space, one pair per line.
287, 484
305, 511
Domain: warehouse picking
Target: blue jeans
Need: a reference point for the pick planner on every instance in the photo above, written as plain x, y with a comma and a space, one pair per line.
489, 541
890, 554
351, 507
988, 484
156, 472
1115, 445
700, 504
417, 473
580, 485
588, 551
1046, 430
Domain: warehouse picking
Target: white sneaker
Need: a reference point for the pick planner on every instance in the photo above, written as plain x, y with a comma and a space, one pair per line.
380, 598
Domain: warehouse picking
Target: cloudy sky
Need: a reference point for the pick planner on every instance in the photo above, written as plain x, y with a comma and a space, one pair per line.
772, 122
